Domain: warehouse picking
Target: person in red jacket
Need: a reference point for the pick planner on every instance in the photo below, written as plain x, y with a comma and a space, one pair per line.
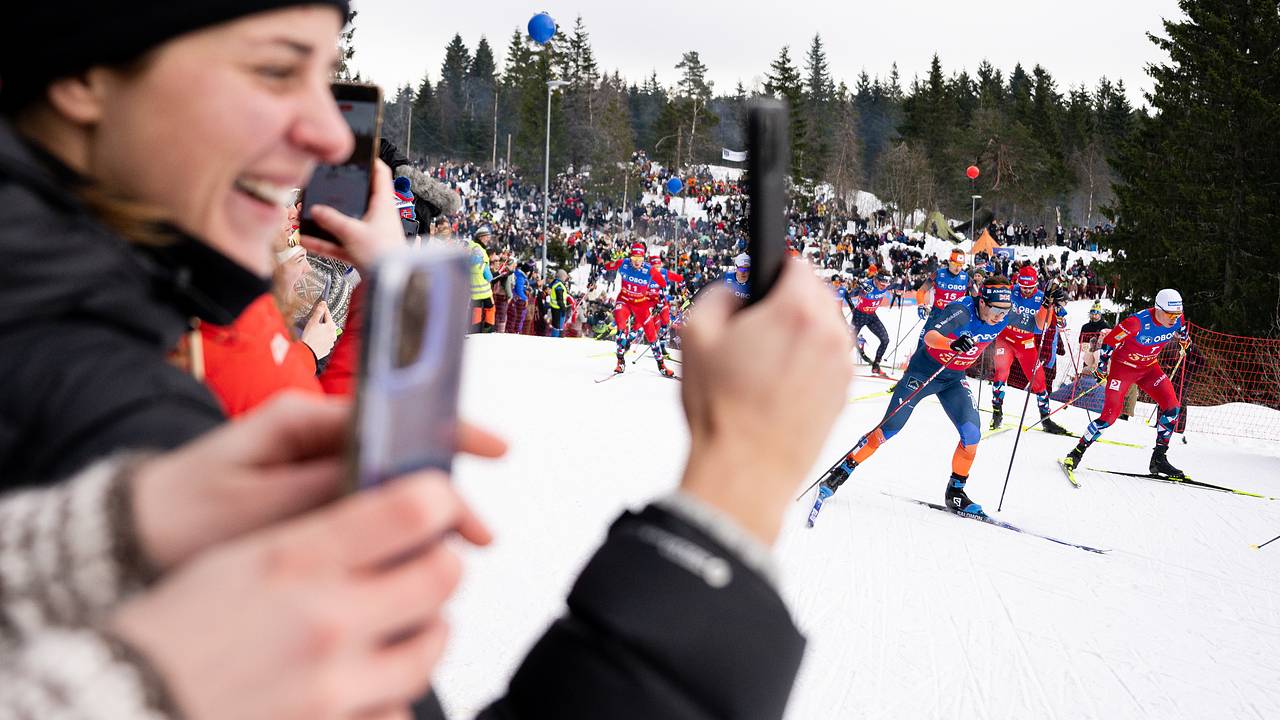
661, 315
256, 357
635, 303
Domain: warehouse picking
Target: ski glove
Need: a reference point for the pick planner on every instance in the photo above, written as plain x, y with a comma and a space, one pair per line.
1101, 371
962, 344
1055, 296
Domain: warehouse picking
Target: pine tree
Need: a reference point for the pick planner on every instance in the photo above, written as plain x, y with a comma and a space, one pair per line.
457, 117
578, 67
1198, 198
425, 121
691, 104
395, 116
844, 166
482, 89
615, 143
346, 48
819, 98
990, 86
783, 81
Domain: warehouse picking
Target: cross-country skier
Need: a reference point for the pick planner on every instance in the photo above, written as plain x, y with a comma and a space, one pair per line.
1032, 314
737, 282
667, 294
954, 338
871, 295
635, 300
1129, 356
948, 285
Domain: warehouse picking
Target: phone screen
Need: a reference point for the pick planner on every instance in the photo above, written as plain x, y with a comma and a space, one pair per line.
345, 187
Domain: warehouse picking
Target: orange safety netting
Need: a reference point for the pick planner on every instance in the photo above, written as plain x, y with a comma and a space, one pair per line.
1228, 384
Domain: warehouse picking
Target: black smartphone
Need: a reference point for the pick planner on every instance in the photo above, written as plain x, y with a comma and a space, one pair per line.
417, 312
768, 162
345, 187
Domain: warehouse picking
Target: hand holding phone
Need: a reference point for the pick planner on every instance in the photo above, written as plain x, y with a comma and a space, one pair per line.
346, 186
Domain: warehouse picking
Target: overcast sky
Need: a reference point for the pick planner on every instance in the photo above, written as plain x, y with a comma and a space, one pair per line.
397, 40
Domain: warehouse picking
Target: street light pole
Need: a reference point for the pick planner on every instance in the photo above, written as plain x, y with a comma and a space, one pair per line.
546, 177
973, 213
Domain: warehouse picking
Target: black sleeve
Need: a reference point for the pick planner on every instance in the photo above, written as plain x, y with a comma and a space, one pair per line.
390, 154
80, 391
662, 623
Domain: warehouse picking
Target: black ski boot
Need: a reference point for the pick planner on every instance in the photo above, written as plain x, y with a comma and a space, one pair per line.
875, 368
834, 479
1048, 425
957, 500
1160, 464
997, 418
1072, 460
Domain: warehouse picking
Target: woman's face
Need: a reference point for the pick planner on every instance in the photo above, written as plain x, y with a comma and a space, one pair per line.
222, 123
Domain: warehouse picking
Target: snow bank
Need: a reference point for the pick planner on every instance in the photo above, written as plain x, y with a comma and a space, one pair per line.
910, 613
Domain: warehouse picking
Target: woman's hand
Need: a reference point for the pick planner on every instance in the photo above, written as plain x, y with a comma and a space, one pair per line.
337, 614
277, 462
321, 332
362, 241
762, 388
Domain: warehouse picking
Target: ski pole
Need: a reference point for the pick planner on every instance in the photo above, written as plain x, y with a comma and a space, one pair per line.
897, 334
1171, 373
1182, 401
911, 330
1075, 362
1259, 547
1063, 406
1026, 400
869, 433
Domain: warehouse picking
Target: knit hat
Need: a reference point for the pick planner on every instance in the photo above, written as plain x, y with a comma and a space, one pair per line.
45, 41
404, 198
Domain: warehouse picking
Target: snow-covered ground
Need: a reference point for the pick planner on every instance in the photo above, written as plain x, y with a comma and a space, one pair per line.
910, 613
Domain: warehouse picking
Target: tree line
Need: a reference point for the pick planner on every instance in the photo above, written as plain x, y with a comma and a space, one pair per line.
1042, 151
1193, 184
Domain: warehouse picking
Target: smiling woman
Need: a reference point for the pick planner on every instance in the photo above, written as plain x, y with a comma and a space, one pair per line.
144, 159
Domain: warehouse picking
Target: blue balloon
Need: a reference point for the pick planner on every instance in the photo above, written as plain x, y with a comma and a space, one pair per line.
674, 186
541, 27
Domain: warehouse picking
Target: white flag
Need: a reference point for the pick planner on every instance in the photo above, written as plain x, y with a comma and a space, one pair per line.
733, 155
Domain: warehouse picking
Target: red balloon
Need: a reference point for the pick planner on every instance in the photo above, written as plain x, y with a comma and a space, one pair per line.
972, 172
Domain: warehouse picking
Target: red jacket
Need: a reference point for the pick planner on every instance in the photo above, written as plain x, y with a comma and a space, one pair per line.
249, 361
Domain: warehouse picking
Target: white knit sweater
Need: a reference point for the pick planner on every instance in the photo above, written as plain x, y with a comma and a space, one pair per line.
67, 557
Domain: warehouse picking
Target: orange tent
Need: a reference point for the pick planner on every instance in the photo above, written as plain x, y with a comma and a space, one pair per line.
986, 244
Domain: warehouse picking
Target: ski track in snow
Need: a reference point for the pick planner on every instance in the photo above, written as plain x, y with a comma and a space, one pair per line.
909, 612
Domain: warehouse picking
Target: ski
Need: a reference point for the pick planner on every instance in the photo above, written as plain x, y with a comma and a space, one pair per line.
988, 433
996, 431
869, 396
878, 376
1182, 481
999, 523
1069, 472
817, 508
606, 379
1104, 441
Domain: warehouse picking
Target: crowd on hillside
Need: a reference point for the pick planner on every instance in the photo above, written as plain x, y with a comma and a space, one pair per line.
698, 233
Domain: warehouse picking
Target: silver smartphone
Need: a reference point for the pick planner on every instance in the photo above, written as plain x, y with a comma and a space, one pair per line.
417, 309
